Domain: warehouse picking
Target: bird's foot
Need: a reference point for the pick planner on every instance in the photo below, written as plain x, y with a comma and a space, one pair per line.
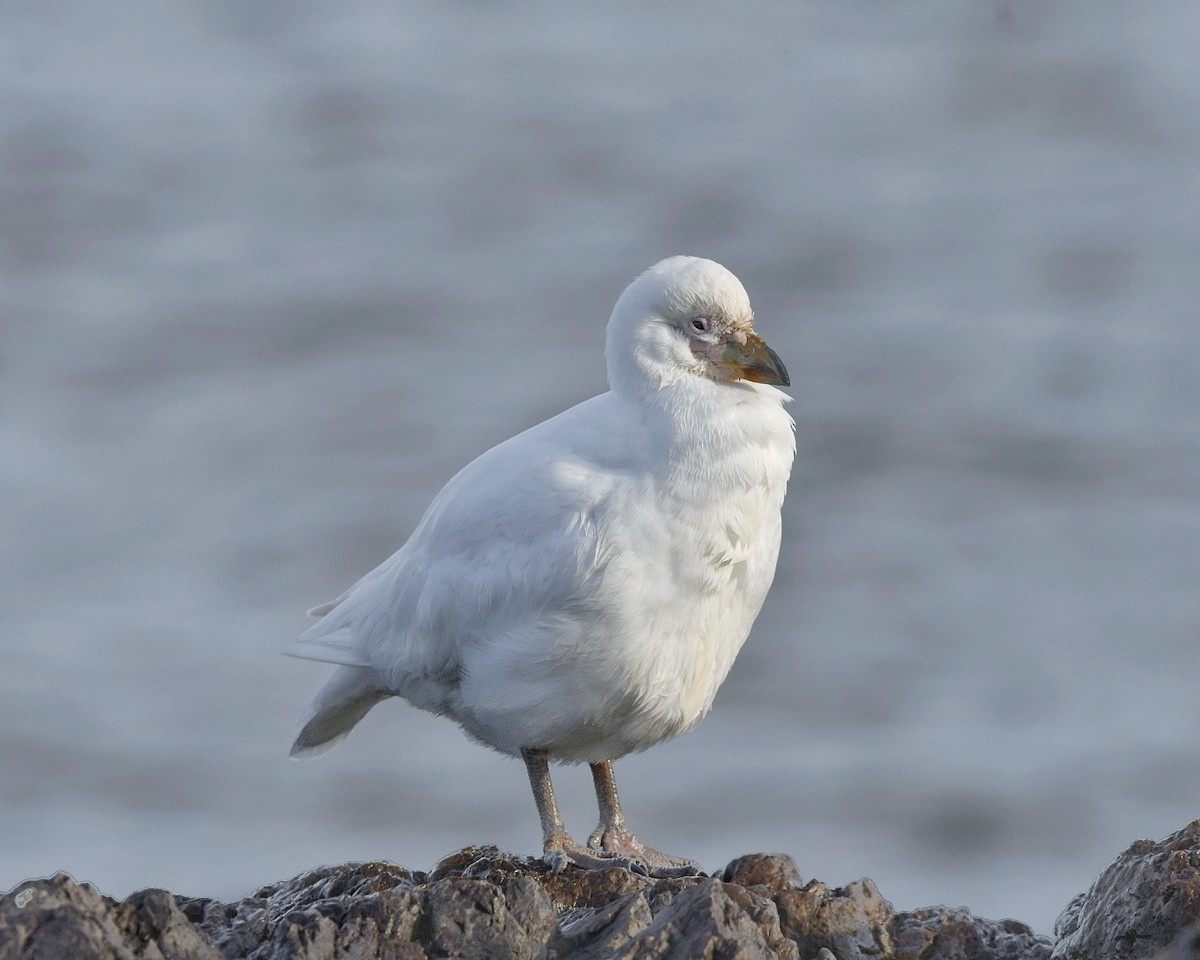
622, 846
561, 851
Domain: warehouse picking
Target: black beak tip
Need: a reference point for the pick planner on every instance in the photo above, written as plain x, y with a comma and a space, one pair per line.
780, 369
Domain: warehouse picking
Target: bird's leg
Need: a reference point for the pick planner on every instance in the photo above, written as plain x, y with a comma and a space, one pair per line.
558, 848
612, 826
612, 835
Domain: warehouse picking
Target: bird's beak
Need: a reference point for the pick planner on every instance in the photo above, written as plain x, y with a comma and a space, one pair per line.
748, 357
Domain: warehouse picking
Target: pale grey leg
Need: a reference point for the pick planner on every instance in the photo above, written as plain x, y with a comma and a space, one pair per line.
612, 835
558, 848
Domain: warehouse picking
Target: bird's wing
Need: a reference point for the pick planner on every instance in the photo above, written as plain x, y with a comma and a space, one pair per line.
511, 538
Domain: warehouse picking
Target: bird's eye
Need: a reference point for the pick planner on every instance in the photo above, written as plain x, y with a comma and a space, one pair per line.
700, 324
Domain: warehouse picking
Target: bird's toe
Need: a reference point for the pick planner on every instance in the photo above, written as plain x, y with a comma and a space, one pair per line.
667, 868
556, 860
622, 846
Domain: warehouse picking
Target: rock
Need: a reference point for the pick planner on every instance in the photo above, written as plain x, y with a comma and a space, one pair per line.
588, 934
700, 921
56, 918
1139, 905
777, 871
569, 890
852, 922
1185, 947
468, 917
939, 933
483, 903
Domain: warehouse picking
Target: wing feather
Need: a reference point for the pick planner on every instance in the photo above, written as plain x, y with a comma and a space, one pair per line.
509, 540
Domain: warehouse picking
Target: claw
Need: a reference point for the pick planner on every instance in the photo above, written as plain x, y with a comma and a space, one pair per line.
624, 847
556, 860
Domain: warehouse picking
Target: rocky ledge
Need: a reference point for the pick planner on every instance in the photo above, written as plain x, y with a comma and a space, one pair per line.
481, 902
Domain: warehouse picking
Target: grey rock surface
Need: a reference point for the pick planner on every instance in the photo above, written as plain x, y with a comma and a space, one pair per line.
1185, 947
1139, 906
483, 903
58, 918
940, 933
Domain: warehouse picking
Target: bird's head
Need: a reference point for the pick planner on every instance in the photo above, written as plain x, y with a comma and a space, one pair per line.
686, 317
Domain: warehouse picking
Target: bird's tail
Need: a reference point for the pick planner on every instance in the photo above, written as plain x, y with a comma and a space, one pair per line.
338, 706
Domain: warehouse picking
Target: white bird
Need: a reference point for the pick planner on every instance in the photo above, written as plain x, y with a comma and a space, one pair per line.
580, 591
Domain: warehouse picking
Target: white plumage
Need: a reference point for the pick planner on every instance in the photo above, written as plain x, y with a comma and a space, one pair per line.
580, 591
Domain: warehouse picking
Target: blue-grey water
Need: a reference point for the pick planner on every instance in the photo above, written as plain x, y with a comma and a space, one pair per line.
273, 271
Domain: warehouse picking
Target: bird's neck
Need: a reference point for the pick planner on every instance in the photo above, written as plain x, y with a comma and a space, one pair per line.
709, 428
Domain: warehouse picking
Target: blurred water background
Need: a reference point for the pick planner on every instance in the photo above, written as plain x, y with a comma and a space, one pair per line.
273, 271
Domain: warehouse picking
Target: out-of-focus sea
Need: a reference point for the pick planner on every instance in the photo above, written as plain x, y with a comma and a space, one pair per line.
273, 271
